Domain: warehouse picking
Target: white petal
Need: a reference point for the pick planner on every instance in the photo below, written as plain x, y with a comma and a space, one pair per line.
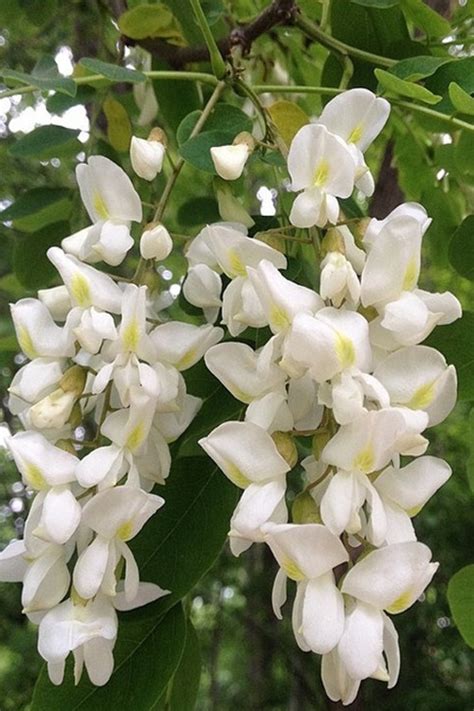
323, 614
361, 644
279, 593
61, 515
90, 568
107, 192
412, 486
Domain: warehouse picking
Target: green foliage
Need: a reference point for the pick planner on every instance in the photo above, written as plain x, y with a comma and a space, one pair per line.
112, 71
185, 684
461, 602
44, 76
37, 208
456, 342
150, 21
46, 142
460, 99
461, 249
30, 263
405, 88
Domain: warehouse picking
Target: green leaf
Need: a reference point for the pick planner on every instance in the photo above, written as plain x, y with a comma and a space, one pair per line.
180, 544
461, 249
456, 342
415, 68
39, 12
176, 98
45, 76
460, 71
147, 653
112, 71
30, 263
198, 211
8, 344
395, 85
380, 4
288, 118
461, 602
37, 208
185, 683
59, 103
150, 21
119, 129
224, 115
197, 150
46, 142
425, 18
470, 459
461, 100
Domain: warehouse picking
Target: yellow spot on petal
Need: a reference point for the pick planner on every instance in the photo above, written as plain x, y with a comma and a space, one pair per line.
100, 207
135, 438
26, 342
365, 460
34, 476
291, 569
411, 276
236, 476
80, 290
187, 360
401, 603
345, 351
423, 396
241, 395
321, 174
237, 267
279, 320
125, 531
131, 336
356, 134
414, 511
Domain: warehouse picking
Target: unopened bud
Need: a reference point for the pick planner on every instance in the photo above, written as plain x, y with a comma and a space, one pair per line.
146, 157
155, 242
286, 446
320, 440
304, 509
53, 411
75, 418
332, 242
229, 161
66, 445
74, 380
360, 229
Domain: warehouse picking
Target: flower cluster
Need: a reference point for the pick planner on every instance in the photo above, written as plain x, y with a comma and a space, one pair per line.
99, 353
346, 368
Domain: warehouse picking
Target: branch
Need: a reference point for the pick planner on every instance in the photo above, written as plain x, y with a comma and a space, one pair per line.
279, 12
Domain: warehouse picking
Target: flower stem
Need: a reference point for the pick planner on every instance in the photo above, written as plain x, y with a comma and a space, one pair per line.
217, 62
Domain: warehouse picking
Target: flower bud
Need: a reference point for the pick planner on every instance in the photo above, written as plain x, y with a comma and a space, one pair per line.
286, 447
74, 380
53, 411
304, 509
147, 156
229, 161
155, 242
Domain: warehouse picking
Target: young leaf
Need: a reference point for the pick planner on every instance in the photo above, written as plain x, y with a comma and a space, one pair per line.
425, 18
150, 21
148, 651
461, 100
46, 142
288, 119
461, 602
461, 249
119, 129
394, 84
112, 71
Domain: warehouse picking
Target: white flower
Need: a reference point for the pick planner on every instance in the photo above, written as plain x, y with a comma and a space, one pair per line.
419, 378
229, 161
33, 382
320, 164
339, 280
203, 288
156, 243
116, 515
183, 344
307, 553
147, 157
36, 332
407, 209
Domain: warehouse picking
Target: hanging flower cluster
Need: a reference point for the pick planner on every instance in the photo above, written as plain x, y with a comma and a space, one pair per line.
96, 355
344, 367
341, 390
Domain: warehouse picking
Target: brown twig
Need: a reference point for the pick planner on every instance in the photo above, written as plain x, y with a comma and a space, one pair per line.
279, 12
